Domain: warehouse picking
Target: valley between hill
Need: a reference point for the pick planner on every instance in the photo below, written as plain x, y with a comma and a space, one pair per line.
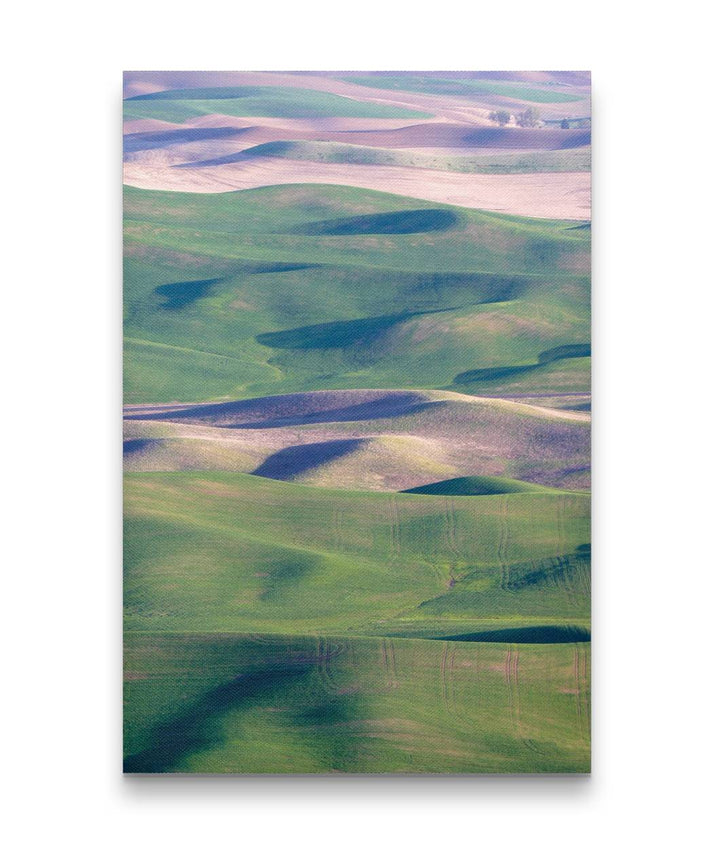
357, 428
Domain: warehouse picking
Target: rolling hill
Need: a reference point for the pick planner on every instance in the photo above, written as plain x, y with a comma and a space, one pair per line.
285, 289
357, 429
179, 105
268, 704
564, 160
364, 439
256, 603
469, 88
243, 553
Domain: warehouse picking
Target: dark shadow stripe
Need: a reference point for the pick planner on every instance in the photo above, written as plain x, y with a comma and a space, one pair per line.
295, 460
539, 635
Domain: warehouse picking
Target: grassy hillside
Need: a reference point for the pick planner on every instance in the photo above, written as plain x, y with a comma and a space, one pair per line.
469, 88
476, 486
179, 105
370, 440
246, 599
227, 552
307, 287
266, 704
345, 548
565, 160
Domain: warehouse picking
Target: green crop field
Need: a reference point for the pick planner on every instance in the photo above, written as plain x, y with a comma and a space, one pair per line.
293, 288
477, 486
249, 603
242, 553
357, 443
564, 160
468, 88
220, 703
179, 105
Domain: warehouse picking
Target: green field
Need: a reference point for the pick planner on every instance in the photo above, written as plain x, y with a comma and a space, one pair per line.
249, 604
302, 287
223, 703
357, 453
228, 552
562, 160
477, 486
179, 105
469, 88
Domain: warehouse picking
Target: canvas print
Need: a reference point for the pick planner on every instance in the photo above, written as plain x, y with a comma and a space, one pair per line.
357, 422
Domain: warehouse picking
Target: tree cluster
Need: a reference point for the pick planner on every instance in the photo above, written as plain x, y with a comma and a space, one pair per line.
502, 117
529, 118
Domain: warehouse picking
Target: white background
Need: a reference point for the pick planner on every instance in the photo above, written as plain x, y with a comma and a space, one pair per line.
656, 440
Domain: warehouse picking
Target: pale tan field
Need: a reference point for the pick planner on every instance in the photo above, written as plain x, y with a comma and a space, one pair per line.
558, 196
454, 109
364, 439
454, 125
427, 135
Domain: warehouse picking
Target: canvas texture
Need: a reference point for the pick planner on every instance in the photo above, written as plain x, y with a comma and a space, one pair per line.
357, 422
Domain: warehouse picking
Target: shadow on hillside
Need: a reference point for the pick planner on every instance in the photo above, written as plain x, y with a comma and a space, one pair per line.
276, 148
296, 683
525, 138
441, 135
541, 635
473, 486
180, 294
562, 352
148, 140
200, 93
390, 223
342, 334
295, 460
199, 727
130, 447
334, 334
300, 409
382, 408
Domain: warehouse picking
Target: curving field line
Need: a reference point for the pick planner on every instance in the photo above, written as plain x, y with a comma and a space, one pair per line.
351, 438
301, 408
557, 196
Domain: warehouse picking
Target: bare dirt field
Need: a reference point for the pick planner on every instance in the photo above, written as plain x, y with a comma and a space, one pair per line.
451, 108
374, 439
559, 196
156, 150
386, 133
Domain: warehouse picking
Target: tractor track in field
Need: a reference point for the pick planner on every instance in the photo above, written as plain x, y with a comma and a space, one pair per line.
387, 649
576, 675
451, 527
443, 676
453, 700
582, 707
512, 662
502, 551
560, 518
326, 652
